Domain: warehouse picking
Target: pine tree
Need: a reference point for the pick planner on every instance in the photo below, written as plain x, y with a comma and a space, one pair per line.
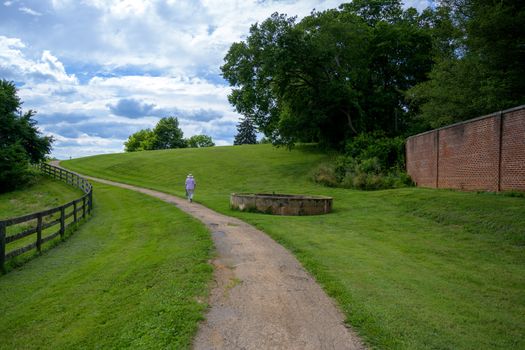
245, 133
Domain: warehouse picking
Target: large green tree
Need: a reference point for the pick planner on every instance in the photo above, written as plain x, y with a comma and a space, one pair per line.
142, 140
197, 141
333, 75
21, 144
166, 134
480, 68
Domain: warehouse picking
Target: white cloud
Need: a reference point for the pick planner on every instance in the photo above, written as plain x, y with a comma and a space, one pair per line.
29, 11
15, 65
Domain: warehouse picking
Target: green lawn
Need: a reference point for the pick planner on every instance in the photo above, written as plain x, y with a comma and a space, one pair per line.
135, 275
411, 268
45, 193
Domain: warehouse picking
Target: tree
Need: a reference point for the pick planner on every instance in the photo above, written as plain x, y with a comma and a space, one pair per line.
245, 133
197, 141
168, 134
140, 141
331, 76
484, 70
21, 144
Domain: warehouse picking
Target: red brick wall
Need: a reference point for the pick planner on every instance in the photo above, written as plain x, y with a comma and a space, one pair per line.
486, 153
513, 151
421, 155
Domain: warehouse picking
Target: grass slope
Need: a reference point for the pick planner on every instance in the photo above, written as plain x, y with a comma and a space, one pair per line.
411, 268
134, 276
45, 193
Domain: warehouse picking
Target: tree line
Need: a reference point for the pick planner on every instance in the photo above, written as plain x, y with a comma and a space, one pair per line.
371, 66
166, 134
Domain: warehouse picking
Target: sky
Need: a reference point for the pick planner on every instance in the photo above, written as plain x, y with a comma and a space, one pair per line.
96, 71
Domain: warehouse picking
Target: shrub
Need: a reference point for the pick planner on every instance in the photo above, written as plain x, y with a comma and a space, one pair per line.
325, 175
390, 152
372, 162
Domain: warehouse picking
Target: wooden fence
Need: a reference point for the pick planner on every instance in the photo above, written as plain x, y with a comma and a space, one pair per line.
47, 224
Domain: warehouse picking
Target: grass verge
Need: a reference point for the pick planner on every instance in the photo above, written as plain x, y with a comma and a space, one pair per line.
45, 193
134, 276
411, 268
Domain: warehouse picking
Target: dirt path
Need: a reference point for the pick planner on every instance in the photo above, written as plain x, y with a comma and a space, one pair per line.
263, 298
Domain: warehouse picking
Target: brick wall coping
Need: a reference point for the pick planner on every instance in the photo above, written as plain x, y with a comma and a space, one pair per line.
471, 120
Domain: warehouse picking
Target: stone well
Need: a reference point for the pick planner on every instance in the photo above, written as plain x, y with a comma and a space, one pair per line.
281, 204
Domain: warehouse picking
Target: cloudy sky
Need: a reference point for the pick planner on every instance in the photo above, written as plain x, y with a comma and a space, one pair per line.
97, 71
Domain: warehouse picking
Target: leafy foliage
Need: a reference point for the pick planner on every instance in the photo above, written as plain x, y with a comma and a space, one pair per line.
331, 76
197, 141
21, 144
372, 161
481, 69
245, 133
140, 141
168, 134
165, 135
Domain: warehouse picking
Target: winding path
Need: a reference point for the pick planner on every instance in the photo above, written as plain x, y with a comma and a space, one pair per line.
263, 298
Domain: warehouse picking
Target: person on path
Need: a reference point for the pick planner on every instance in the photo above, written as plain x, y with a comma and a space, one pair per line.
190, 187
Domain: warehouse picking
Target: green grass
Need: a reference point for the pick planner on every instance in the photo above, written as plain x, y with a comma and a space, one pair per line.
135, 275
45, 193
411, 268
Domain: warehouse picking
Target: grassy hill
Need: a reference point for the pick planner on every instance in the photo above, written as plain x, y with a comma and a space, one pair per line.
411, 268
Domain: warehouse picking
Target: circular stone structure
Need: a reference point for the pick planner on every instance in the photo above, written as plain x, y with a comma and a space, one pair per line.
281, 204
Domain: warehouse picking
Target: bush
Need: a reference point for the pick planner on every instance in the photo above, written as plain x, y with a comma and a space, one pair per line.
325, 174
372, 162
390, 152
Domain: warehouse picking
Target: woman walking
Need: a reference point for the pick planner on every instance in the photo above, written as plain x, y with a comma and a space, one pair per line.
190, 187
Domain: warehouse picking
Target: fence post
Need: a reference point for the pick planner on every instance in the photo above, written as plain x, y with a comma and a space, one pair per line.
90, 200
39, 233
62, 221
75, 211
2, 246
83, 207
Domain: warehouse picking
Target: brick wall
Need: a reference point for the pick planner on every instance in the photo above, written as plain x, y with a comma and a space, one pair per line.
513, 151
421, 154
486, 153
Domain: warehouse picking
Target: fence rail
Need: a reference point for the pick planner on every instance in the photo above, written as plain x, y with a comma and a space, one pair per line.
42, 223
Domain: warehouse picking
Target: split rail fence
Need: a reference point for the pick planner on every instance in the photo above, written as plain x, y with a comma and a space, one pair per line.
19, 232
